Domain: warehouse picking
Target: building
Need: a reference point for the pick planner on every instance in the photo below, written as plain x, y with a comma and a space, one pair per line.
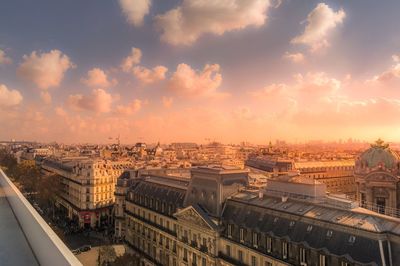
213, 219
86, 193
26, 239
274, 165
337, 175
378, 179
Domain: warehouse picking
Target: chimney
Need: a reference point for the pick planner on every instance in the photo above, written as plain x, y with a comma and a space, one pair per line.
284, 198
260, 194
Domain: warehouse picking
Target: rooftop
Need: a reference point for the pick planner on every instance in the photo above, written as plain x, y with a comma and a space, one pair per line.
25, 238
14, 247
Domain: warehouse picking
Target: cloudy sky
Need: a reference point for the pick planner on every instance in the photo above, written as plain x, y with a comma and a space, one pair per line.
189, 70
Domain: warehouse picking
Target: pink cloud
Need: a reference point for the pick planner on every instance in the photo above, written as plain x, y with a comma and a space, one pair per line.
187, 82
8, 97
98, 101
45, 70
149, 76
97, 78
129, 109
184, 24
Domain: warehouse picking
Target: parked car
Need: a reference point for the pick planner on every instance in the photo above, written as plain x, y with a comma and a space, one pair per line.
85, 248
76, 251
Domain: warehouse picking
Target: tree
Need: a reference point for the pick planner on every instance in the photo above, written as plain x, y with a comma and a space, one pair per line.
106, 255
126, 260
49, 186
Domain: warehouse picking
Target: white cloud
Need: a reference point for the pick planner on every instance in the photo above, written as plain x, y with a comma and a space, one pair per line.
45, 70
294, 57
135, 10
46, 97
167, 101
148, 76
188, 82
320, 22
193, 18
133, 59
9, 98
99, 101
131, 108
96, 78
4, 59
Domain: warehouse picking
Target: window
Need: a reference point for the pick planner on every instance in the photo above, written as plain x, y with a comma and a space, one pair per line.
284, 250
203, 262
194, 259
255, 240
240, 255
185, 254
344, 263
269, 244
309, 228
230, 230
329, 233
267, 263
228, 250
322, 260
302, 254
241, 235
253, 261
352, 239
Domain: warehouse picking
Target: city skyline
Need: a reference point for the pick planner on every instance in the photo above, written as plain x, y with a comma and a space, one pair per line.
190, 70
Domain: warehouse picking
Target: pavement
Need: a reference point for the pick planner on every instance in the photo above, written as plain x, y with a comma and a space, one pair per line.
14, 248
89, 258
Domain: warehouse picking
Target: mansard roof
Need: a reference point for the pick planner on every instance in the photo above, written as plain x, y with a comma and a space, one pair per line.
303, 232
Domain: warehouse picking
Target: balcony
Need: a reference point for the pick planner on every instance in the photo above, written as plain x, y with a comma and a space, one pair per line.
25, 238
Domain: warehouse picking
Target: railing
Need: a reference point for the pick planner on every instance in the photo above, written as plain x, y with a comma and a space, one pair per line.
380, 209
45, 244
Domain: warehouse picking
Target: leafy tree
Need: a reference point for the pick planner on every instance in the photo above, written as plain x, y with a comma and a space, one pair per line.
106, 255
49, 186
126, 260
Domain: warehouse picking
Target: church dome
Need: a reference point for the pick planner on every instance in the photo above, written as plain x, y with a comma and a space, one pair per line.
379, 155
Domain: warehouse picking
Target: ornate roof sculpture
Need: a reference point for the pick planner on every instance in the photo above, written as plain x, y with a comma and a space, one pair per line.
378, 156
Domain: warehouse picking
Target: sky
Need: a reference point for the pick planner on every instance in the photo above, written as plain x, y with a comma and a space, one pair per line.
197, 70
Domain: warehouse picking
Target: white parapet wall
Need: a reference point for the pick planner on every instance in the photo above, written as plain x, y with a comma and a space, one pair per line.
47, 247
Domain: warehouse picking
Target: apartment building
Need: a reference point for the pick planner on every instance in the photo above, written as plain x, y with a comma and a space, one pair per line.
212, 219
86, 193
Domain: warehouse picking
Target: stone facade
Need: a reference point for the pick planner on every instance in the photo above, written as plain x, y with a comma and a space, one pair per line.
377, 175
163, 226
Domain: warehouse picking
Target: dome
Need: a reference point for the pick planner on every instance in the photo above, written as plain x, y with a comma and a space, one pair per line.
379, 155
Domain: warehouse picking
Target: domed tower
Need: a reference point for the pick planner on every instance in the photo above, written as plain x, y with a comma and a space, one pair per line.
377, 177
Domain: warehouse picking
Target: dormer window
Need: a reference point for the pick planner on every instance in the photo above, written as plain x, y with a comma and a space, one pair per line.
269, 244
230, 229
309, 228
329, 233
241, 235
255, 239
352, 239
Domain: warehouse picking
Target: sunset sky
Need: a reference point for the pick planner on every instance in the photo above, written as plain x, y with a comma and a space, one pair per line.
189, 70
